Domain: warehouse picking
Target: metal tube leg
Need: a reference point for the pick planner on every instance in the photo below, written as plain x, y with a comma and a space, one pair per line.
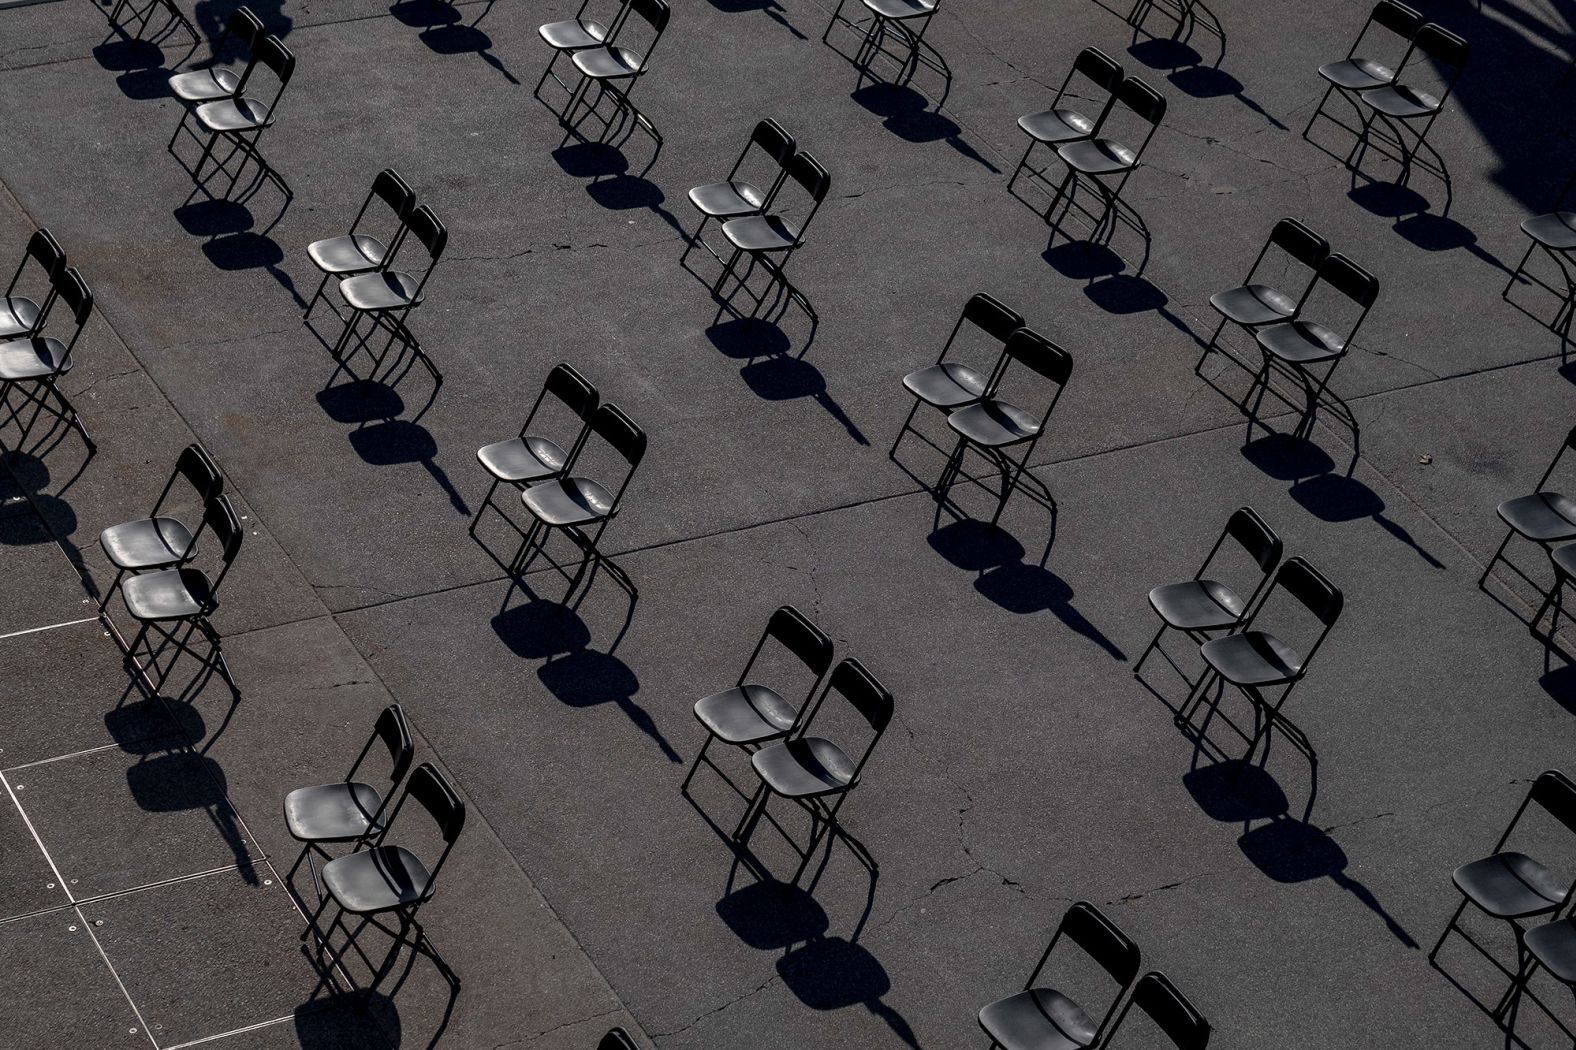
699, 755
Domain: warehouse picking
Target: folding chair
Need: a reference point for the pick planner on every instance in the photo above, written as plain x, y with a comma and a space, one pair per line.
813, 772
582, 508
166, 600
1061, 123
357, 252
1201, 606
576, 34
1510, 885
949, 385
1299, 349
735, 197
1400, 107
388, 296
241, 115
1252, 305
1563, 560
1096, 159
772, 239
1041, 1017
348, 810
529, 458
1157, 998
992, 425
31, 365
216, 82
611, 64
751, 714
1555, 233
1255, 660
1354, 74
384, 879
900, 17
20, 315
160, 541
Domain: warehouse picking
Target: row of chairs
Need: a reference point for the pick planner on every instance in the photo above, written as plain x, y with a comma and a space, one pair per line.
32, 361
540, 469
600, 56
374, 877
978, 414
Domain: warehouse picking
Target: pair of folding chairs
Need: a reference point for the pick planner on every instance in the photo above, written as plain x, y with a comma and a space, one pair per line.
1041, 1017
540, 468
369, 285
226, 105
751, 222
1078, 139
1381, 98
601, 57
1555, 233
1548, 519
154, 557
374, 877
975, 400
31, 361
906, 20
790, 762
1290, 344
1224, 622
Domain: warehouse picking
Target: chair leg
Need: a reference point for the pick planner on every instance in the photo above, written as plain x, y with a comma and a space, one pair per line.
892, 452
1451, 925
821, 826
110, 590
1209, 347
1022, 162
1153, 642
1516, 273
1509, 533
486, 500
699, 756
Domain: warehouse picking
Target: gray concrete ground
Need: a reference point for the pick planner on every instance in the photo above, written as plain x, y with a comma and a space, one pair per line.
142, 857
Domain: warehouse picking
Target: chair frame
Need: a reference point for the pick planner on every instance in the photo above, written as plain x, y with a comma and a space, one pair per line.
1089, 61
1445, 48
656, 14
1511, 531
1153, 112
38, 391
430, 232
193, 463
874, 40
787, 147
809, 174
1294, 238
610, 34
570, 378
1381, 15
1561, 323
272, 53
991, 316
46, 252
1183, 1024
242, 25
392, 189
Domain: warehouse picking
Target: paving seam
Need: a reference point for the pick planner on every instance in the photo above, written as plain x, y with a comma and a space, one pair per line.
142, 1022
50, 627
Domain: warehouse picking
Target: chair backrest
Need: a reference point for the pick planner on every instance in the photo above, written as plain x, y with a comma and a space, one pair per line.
1301, 243
275, 56
394, 191
1114, 952
774, 139
1351, 280
1399, 19
43, 249
200, 472
611, 424
244, 26
576, 392
811, 177
864, 693
1155, 996
655, 13
794, 632
433, 793
1099, 68
1039, 354
69, 285
1312, 589
393, 731
616, 1039
220, 518
1256, 537
1555, 794
1143, 100
1443, 46
429, 232
991, 316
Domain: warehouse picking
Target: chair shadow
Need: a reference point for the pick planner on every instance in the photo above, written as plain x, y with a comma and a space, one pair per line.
30, 515
1108, 285
444, 31
612, 185
1409, 210
771, 371
1187, 71
380, 437
339, 1022
770, 8
232, 241
909, 115
173, 781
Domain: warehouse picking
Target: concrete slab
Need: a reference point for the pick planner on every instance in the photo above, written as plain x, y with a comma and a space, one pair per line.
62, 992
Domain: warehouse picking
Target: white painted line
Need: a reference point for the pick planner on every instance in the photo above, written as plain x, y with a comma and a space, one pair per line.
141, 1022
38, 841
50, 627
226, 1035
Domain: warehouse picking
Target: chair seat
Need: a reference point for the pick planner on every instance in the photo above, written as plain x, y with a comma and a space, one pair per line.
1510, 886
1357, 74
761, 233
1252, 658
994, 424
1057, 125
1554, 946
1254, 304
573, 34
1197, 605
897, 10
1301, 342
147, 543
1097, 156
1556, 230
33, 358
746, 714
608, 63
18, 315
522, 459
377, 879
568, 501
946, 385
1564, 559
727, 199
385, 290
234, 114
349, 253
201, 85
1038, 1019
331, 812
1543, 517
804, 768
168, 594
1401, 102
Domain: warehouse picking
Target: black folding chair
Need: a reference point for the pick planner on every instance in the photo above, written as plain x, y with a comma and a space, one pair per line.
1200, 606
529, 458
949, 385
1555, 233
176, 603
576, 34
610, 66
1354, 73
388, 296
19, 315
241, 119
1158, 999
772, 239
905, 19
751, 714
384, 879
735, 197
213, 81
359, 252
160, 541
30, 366
1308, 352
582, 508
1255, 660
348, 810
1039, 1016
1545, 518
1407, 111
1253, 304
1062, 123
992, 426
1513, 887
815, 773
1095, 160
